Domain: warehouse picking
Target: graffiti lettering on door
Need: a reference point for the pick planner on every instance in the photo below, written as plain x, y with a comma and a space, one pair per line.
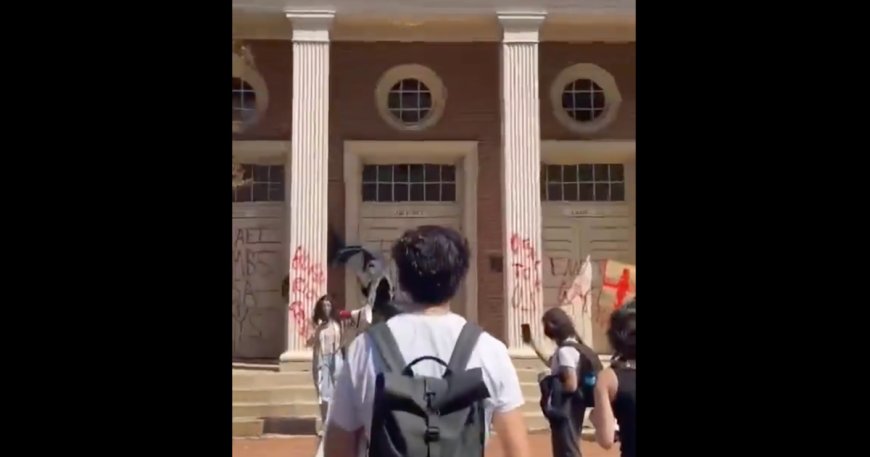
254, 256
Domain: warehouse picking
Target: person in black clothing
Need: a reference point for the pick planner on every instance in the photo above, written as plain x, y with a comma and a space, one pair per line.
615, 390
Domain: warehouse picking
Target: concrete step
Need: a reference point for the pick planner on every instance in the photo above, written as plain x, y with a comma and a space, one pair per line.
301, 425
288, 394
530, 390
530, 376
295, 365
247, 427
249, 379
528, 363
286, 409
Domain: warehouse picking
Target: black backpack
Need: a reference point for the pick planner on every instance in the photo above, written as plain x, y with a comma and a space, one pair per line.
421, 416
587, 371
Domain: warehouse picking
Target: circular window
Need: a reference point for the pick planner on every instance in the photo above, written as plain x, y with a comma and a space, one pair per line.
585, 98
250, 96
410, 97
410, 101
244, 101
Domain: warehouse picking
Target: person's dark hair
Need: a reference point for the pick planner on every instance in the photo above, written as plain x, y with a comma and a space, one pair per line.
558, 325
431, 262
622, 332
319, 315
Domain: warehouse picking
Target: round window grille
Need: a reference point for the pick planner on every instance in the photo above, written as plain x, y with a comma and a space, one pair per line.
244, 101
409, 101
410, 97
583, 100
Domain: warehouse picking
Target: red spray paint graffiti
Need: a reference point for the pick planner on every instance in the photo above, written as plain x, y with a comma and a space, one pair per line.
526, 268
621, 287
308, 277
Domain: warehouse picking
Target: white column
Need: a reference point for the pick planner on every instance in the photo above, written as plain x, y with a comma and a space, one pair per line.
521, 164
309, 153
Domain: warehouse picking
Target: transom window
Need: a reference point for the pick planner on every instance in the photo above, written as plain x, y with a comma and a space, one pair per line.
409, 183
583, 100
409, 101
244, 101
583, 182
263, 183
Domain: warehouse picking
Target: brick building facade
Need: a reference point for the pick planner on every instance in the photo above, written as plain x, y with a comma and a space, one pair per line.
517, 128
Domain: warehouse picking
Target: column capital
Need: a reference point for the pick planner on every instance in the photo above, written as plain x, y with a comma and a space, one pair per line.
310, 25
521, 26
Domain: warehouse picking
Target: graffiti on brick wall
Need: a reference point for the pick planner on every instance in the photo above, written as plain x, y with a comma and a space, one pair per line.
253, 255
526, 267
305, 287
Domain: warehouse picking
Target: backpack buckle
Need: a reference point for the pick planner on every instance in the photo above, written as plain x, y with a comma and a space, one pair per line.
432, 434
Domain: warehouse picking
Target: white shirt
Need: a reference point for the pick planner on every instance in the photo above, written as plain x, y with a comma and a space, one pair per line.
565, 356
418, 335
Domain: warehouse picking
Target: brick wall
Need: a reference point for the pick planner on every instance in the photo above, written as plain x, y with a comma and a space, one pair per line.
617, 59
274, 61
470, 72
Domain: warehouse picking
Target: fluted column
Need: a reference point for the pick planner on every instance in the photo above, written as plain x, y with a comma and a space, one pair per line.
309, 153
521, 164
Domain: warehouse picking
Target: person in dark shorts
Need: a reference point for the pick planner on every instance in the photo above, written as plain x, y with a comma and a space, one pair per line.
615, 390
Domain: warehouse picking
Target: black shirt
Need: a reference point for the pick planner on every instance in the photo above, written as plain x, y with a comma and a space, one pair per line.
625, 410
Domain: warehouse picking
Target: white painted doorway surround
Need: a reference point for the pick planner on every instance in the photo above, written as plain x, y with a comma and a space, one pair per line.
382, 220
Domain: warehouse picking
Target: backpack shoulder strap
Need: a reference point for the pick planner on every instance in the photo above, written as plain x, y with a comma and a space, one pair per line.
386, 344
588, 358
464, 345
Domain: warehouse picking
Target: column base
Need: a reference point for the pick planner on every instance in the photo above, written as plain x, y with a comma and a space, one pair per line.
295, 356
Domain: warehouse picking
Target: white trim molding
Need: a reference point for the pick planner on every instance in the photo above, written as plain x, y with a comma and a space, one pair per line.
521, 26
567, 152
261, 152
358, 153
310, 26
612, 97
411, 71
243, 71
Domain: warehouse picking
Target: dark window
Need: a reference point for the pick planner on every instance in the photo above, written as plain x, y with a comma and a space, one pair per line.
409, 183
262, 183
603, 182
410, 101
583, 100
244, 101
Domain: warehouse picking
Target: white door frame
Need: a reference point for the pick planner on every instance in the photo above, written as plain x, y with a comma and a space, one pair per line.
357, 153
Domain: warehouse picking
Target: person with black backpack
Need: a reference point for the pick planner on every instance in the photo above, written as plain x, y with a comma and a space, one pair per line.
569, 389
427, 383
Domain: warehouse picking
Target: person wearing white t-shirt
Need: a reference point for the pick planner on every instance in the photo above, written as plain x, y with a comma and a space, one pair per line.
431, 262
564, 433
